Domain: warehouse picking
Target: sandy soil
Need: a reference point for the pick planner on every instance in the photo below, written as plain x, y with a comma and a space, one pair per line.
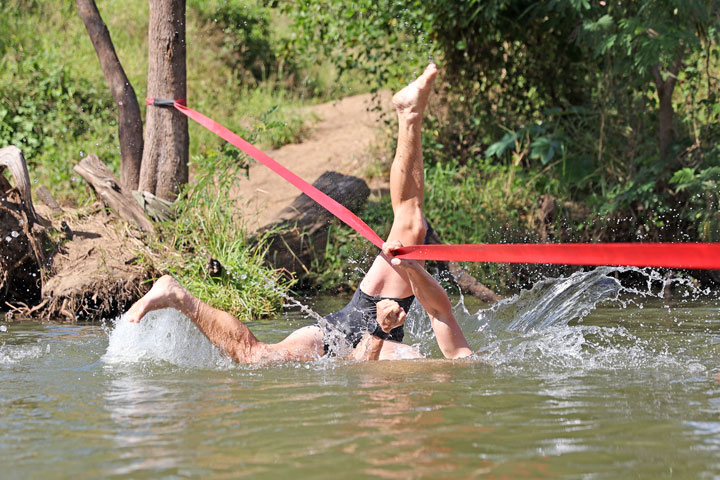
343, 140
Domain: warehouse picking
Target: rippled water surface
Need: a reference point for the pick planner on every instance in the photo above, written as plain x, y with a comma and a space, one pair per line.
578, 378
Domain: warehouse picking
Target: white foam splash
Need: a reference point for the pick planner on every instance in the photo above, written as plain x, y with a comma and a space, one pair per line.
163, 336
533, 329
582, 348
554, 301
11, 354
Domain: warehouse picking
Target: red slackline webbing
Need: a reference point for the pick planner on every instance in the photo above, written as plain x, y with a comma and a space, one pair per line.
331, 205
668, 255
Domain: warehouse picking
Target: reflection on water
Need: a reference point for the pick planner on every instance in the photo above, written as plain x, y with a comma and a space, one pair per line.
579, 377
394, 410
146, 424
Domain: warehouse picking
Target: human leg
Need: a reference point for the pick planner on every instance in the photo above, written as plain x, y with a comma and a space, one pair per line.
406, 187
407, 182
225, 331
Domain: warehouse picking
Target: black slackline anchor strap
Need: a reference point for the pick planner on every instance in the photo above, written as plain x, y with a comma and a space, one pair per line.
164, 102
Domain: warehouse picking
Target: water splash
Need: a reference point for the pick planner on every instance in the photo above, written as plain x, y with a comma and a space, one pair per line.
163, 336
333, 337
13, 354
554, 301
544, 327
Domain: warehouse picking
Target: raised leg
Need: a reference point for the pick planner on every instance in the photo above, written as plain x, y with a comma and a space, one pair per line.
406, 187
225, 331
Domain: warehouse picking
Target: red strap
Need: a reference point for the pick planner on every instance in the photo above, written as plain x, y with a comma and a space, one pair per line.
331, 205
669, 255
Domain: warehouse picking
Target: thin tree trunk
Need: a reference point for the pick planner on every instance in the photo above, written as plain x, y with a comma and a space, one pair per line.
665, 90
129, 120
164, 165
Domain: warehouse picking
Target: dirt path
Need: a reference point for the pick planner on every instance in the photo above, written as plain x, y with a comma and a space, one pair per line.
341, 141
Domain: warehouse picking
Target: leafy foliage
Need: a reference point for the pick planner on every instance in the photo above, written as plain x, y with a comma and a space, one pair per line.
244, 39
565, 95
49, 105
42, 108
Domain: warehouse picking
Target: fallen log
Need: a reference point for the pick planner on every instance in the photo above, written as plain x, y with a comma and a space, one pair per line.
299, 233
111, 193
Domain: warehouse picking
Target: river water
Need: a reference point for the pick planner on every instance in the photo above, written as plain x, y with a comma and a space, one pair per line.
577, 378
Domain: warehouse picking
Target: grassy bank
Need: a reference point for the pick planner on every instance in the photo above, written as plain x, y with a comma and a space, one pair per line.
55, 105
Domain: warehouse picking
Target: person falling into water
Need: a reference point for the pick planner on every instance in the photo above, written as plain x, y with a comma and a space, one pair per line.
371, 325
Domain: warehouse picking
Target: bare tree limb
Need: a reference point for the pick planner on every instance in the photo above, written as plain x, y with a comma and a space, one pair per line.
110, 192
12, 158
130, 131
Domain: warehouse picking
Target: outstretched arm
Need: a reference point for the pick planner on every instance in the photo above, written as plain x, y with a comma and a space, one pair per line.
436, 303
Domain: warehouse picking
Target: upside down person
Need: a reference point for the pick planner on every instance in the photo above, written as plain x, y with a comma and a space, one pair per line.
371, 325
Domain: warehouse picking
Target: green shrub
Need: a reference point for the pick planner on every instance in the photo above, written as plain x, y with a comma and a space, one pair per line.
244, 37
55, 119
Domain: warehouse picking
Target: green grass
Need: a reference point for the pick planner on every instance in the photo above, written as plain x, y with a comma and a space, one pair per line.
207, 228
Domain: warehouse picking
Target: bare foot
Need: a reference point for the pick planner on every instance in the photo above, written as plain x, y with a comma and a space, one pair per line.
166, 293
411, 101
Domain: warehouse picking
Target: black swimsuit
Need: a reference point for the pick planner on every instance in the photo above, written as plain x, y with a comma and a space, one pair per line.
359, 317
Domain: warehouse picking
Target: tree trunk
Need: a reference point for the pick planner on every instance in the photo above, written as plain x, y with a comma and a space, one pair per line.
665, 110
165, 158
129, 120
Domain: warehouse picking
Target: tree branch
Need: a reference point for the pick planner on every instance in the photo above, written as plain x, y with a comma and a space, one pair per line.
110, 192
130, 126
